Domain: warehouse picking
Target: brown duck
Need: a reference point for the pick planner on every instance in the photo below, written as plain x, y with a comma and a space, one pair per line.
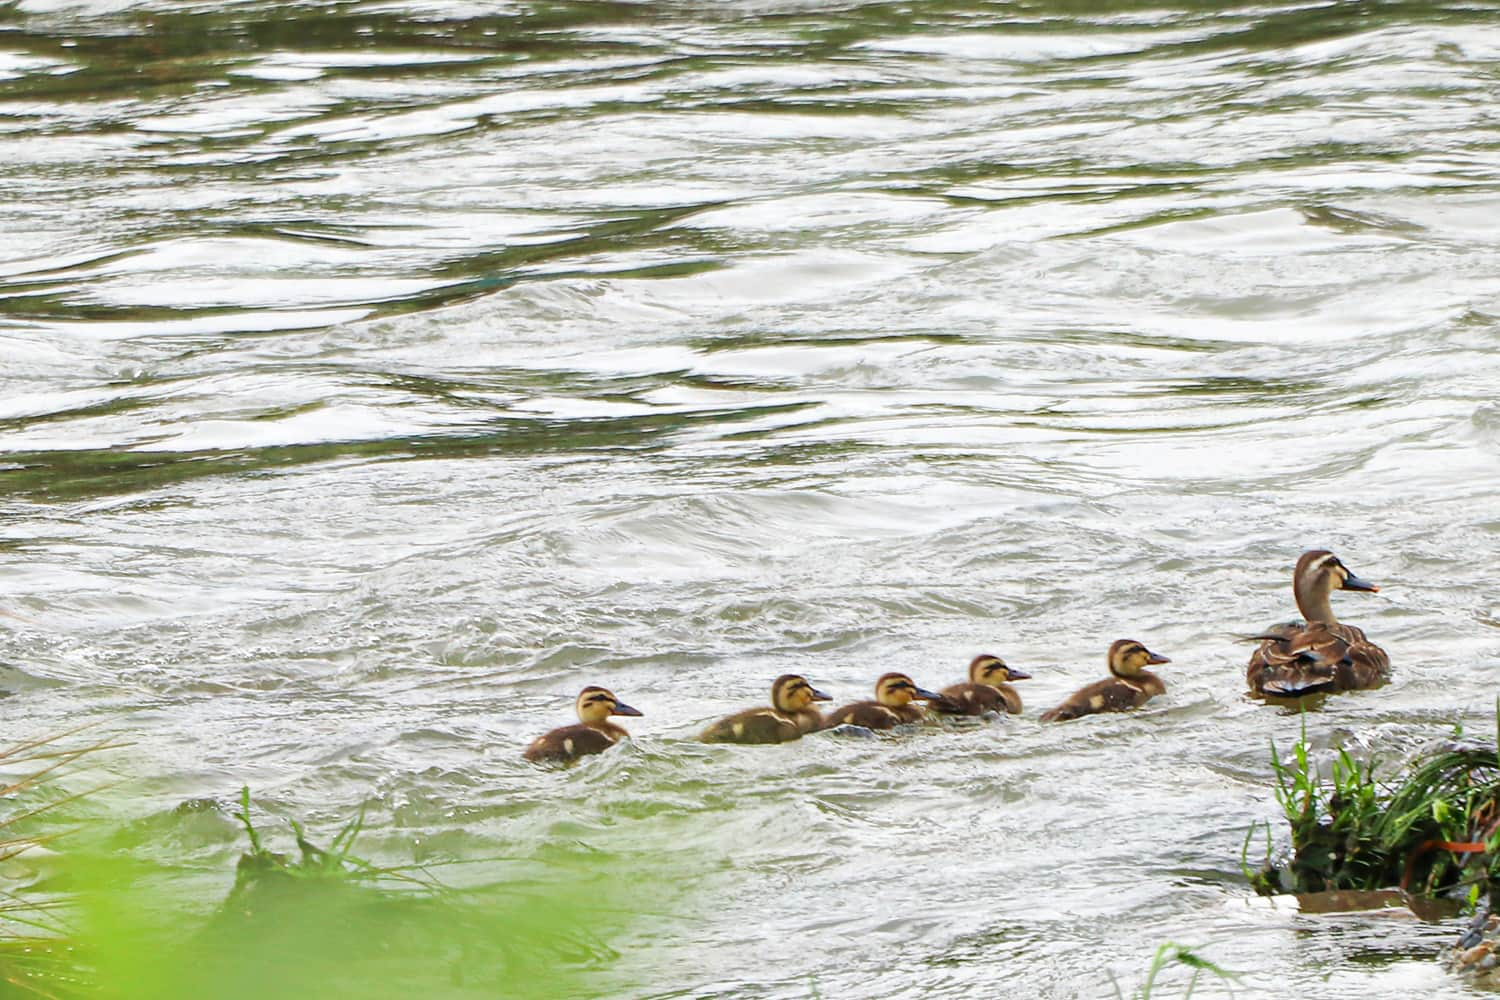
595, 734
1320, 654
790, 716
1131, 686
893, 705
987, 690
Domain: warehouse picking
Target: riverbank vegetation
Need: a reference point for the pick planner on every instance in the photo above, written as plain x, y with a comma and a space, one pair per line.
1429, 827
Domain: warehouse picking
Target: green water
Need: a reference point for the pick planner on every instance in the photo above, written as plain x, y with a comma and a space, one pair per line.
373, 376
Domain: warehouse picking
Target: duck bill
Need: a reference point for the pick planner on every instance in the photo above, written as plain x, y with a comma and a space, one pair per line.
1352, 582
1156, 658
820, 696
623, 709
922, 694
1017, 675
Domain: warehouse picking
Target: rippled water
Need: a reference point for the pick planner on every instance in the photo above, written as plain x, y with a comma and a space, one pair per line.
375, 375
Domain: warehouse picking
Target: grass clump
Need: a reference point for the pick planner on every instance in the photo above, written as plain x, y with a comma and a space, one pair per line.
1432, 830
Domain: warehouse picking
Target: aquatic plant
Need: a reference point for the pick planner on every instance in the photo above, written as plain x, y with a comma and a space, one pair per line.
1171, 954
1432, 829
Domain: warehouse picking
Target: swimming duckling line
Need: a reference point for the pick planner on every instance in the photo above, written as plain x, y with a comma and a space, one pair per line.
1293, 660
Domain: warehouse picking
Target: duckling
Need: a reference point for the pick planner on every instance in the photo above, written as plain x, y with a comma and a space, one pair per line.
790, 716
894, 694
1322, 654
596, 733
986, 690
1131, 686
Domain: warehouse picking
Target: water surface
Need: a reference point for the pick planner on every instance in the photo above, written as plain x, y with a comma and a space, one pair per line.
375, 375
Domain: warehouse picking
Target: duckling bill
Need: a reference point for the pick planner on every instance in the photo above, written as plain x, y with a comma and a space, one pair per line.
594, 734
790, 715
1131, 685
893, 705
987, 690
1322, 653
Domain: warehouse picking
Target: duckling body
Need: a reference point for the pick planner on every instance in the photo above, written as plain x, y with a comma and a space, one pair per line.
1131, 685
594, 733
986, 690
1321, 654
893, 705
790, 716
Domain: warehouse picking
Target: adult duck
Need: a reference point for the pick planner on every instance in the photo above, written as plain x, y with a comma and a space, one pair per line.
1319, 654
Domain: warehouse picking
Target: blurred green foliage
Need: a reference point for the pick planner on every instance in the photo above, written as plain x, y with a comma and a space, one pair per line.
316, 922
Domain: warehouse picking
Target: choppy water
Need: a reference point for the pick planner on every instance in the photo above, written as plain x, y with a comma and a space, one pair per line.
374, 375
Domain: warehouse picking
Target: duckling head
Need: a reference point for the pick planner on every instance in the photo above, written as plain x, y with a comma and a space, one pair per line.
895, 690
988, 669
595, 704
791, 693
1128, 658
1318, 574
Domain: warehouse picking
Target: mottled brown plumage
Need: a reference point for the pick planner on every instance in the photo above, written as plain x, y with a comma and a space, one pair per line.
594, 734
894, 704
1320, 654
790, 715
987, 689
1131, 686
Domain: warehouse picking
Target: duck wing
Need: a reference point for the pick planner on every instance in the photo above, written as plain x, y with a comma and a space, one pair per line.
1299, 659
1109, 695
870, 714
568, 743
965, 699
755, 725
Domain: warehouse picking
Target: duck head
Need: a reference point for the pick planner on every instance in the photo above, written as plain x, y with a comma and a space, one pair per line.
595, 704
1318, 574
991, 670
895, 690
1128, 658
791, 693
